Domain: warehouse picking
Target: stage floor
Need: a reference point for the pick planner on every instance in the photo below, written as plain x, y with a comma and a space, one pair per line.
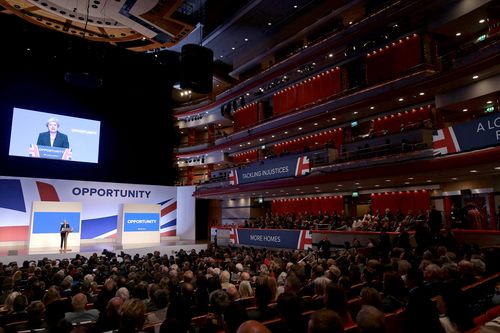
20, 253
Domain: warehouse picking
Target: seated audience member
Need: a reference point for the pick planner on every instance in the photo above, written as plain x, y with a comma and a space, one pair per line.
35, 320
227, 315
123, 293
492, 326
290, 308
370, 320
245, 289
233, 294
325, 321
394, 292
18, 312
263, 297
421, 314
335, 300
79, 314
454, 314
318, 300
109, 319
132, 316
160, 299
55, 307
371, 296
252, 326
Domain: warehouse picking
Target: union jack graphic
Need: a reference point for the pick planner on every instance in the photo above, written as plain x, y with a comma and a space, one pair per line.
168, 218
444, 141
302, 166
33, 151
67, 154
305, 240
233, 236
233, 177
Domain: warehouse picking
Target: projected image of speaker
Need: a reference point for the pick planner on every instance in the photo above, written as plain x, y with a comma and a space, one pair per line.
197, 65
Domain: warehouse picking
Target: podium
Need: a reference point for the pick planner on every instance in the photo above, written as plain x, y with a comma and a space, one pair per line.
65, 231
57, 153
138, 224
45, 225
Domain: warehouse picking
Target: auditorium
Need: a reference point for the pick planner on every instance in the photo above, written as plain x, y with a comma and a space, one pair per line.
250, 166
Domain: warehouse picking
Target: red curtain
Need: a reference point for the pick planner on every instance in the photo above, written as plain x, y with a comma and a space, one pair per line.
393, 122
308, 205
314, 141
393, 60
404, 200
245, 116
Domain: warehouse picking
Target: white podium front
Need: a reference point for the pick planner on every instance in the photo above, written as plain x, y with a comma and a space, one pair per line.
138, 223
47, 218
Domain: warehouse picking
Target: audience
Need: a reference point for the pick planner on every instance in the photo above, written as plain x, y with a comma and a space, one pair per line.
168, 291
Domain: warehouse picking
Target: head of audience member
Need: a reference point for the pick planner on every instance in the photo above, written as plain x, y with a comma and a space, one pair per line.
233, 293
245, 276
370, 320
35, 311
393, 285
370, 296
160, 299
132, 315
9, 301
263, 295
123, 293
320, 284
289, 306
141, 291
292, 284
20, 303
325, 321
252, 326
245, 289
78, 302
219, 301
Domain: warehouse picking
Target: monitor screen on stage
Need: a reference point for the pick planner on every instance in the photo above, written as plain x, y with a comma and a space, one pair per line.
46, 135
50, 222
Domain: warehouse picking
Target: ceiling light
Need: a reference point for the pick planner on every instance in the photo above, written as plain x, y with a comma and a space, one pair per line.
334, 118
286, 132
221, 56
407, 183
388, 180
401, 99
497, 168
372, 107
482, 20
272, 136
489, 102
300, 128
421, 93
233, 48
475, 77
295, 6
465, 110
261, 139
454, 178
330, 55
377, 185
458, 34
355, 112
410, 178
356, 183
269, 23
315, 124
474, 171
246, 39
429, 181
350, 22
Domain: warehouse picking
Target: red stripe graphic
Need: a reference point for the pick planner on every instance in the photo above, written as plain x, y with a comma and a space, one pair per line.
169, 209
47, 192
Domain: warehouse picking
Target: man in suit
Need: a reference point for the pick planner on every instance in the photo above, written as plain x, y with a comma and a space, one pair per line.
53, 137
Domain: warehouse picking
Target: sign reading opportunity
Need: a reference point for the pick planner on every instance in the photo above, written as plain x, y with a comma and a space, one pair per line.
141, 222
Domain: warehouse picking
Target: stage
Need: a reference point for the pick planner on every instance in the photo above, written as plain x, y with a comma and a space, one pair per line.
20, 253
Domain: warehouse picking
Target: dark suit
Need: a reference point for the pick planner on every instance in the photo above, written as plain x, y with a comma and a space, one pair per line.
63, 233
61, 140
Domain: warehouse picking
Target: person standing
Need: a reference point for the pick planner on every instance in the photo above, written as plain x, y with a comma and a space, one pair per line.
64, 230
53, 137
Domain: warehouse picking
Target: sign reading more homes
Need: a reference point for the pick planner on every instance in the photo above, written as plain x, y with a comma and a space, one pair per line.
270, 169
479, 133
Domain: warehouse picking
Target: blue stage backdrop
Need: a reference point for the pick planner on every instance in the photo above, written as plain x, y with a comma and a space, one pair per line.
50, 222
141, 222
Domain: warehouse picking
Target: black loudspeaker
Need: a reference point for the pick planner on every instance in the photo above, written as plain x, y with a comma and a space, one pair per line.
197, 66
466, 192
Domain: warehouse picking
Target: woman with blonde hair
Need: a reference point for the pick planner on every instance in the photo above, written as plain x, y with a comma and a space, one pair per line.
245, 289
